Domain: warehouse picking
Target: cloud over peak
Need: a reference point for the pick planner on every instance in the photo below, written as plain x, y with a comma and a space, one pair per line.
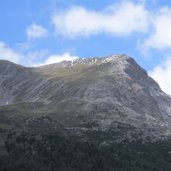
118, 19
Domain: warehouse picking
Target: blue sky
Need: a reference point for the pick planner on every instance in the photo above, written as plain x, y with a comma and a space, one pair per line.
47, 31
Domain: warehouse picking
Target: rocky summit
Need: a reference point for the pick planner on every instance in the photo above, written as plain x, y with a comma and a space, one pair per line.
111, 98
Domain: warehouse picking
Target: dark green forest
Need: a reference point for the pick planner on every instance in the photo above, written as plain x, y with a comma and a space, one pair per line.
30, 152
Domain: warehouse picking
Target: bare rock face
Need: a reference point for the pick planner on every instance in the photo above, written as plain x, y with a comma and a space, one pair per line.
108, 94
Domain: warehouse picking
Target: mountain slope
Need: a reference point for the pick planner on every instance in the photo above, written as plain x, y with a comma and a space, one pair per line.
110, 94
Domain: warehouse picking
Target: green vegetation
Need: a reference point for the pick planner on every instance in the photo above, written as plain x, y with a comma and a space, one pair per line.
54, 152
78, 73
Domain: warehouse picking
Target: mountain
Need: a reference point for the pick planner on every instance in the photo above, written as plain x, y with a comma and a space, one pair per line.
93, 114
112, 97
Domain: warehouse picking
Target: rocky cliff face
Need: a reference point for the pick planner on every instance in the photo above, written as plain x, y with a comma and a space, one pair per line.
110, 94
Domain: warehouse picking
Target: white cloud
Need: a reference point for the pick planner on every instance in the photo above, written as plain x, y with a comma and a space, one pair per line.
7, 53
119, 19
32, 58
162, 74
160, 37
57, 58
36, 31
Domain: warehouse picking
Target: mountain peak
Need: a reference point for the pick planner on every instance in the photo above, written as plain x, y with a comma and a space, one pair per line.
89, 61
99, 60
116, 57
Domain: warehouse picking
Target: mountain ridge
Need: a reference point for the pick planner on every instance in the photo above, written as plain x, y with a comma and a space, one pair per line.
84, 95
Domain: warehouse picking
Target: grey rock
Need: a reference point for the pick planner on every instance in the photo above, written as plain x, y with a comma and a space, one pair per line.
93, 91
